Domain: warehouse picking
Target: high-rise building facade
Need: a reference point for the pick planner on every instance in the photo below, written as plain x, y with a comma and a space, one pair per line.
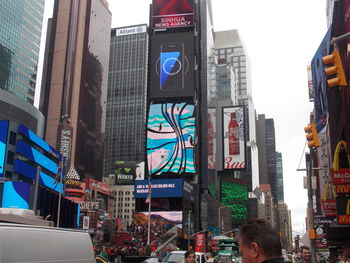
230, 49
75, 89
127, 94
20, 34
279, 175
267, 153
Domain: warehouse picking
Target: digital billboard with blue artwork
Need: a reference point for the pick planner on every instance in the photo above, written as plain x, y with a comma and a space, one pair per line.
170, 138
16, 195
319, 83
4, 125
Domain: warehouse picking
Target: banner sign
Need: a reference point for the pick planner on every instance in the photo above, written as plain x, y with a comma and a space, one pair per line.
341, 177
172, 13
320, 225
319, 83
211, 138
86, 222
131, 30
200, 242
160, 188
234, 138
89, 206
97, 186
343, 209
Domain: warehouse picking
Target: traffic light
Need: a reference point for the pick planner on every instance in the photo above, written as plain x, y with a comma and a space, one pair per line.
334, 68
312, 234
311, 135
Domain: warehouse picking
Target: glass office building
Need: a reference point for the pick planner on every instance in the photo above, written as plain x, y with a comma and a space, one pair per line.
20, 33
126, 96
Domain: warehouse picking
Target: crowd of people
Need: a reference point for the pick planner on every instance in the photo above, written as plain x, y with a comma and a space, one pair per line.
133, 242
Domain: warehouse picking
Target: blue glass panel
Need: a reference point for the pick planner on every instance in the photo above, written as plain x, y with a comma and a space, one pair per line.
4, 125
36, 156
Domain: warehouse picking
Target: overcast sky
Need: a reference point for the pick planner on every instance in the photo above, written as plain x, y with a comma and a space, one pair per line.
281, 37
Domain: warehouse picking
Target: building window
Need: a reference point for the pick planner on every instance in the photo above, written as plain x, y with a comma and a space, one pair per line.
12, 138
10, 157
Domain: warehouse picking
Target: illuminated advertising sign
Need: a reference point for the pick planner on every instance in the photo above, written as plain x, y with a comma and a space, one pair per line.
38, 141
4, 126
172, 66
65, 139
343, 209
170, 138
125, 172
234, 194
29, 171
319, 83
160, 188
16, 195
97, 186
36, 156
211, 138
341, 177
172, 13
88, 206
169, 218
234, 138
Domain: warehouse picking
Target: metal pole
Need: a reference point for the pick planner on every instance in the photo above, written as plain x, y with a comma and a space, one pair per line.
149, 211
60, 194
309, 164
189, 230
36, 189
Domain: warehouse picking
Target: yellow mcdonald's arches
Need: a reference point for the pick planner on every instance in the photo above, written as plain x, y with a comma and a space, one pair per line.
347, 212
336, 155
328, 189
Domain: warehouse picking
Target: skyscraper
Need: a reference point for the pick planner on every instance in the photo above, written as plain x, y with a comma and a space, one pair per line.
279, 175
74, 97
20, 33
230, 49
267, 153
127, 93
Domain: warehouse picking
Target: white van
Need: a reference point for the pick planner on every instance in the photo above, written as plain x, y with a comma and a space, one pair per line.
23, 243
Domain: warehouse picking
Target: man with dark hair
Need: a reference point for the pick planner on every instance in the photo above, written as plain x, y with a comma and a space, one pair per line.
259, 242
305, 255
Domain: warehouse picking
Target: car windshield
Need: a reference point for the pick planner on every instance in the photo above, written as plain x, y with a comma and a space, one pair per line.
174, 257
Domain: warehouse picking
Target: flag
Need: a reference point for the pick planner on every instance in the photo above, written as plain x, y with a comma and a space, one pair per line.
58, 174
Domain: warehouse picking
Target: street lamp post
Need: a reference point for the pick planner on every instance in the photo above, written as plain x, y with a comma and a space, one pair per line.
221, 223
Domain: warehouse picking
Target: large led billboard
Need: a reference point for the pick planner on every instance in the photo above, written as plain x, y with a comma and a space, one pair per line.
172, 66
38, 141
172, 13
169, 218
16, 195
27, 170
170, 138
36, 156
160, 188
234, 138
4, 125
234, 194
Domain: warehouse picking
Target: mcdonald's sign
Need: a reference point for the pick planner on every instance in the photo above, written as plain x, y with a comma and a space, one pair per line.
343, 208
328, 201
342, 189
341, 177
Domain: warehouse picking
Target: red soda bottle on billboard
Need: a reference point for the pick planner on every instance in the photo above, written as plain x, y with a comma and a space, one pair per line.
210, 137
233, 138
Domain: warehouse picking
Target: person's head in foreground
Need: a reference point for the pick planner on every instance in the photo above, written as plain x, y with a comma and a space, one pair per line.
259, 242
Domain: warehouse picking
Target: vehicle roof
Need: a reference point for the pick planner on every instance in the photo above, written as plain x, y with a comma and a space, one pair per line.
3, 225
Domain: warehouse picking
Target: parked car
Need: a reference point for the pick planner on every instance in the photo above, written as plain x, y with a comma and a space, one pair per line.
179, 257
24, 243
